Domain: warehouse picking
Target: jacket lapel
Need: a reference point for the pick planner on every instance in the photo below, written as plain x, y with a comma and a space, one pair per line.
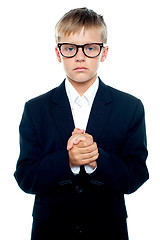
61, 112
62, 115
100, 112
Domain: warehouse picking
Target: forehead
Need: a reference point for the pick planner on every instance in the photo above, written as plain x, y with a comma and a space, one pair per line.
83, 36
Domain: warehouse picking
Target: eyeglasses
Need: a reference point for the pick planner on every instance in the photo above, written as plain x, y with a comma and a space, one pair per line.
90, 50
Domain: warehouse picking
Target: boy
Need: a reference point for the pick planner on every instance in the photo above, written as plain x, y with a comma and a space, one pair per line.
83, 144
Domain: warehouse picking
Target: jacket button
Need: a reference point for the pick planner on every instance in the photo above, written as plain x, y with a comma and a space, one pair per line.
79, 189
79, 230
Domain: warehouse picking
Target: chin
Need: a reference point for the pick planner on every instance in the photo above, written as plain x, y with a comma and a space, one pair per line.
82, 79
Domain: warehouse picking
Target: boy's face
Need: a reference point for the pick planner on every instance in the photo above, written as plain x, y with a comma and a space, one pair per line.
80, 68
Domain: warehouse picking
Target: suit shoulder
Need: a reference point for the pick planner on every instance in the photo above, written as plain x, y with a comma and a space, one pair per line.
122, 97
39, 104
42, 99
125, 101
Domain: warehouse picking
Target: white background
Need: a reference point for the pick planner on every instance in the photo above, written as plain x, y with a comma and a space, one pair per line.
28, 67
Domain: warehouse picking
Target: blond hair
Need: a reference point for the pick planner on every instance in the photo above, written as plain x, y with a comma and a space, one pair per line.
76, 19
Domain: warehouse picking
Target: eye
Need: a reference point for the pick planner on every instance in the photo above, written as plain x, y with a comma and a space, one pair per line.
69, 48
89, 48
92, 48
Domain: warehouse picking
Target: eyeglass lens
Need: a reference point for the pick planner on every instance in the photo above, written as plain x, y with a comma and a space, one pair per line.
90, 50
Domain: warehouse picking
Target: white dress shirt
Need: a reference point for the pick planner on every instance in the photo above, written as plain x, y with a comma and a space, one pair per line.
81, 107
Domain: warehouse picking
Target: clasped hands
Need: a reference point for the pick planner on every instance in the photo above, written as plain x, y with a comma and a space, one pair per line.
82, 149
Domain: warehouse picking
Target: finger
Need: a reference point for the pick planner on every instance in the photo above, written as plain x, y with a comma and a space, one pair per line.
89, 148
87, 142
78, 131
89, 155
71, 141
75, 139
90, 160
86, 152
79, 139
93, 164
88, 136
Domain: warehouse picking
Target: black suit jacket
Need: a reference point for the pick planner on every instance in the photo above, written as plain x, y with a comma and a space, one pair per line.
117, 125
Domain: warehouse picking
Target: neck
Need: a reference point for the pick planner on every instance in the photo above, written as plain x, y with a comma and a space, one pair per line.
82, 87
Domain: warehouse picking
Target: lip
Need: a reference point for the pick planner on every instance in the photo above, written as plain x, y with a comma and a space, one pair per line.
80, 69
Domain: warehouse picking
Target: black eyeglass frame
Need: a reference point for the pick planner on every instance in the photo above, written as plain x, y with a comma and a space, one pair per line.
59, 45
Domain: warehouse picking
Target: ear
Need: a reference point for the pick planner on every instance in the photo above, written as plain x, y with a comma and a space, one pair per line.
58, 54
104, 53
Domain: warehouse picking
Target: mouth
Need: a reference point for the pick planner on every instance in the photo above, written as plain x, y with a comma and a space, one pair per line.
79, 69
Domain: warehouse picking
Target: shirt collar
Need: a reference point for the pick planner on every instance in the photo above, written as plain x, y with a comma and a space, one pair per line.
73, 94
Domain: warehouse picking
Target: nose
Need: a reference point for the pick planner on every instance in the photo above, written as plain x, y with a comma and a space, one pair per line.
80, 57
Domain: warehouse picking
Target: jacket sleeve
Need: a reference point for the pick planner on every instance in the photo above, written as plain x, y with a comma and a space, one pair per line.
125, 172
37, 173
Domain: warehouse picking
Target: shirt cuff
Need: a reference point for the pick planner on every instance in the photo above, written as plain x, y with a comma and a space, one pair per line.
75, 170
89, 169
